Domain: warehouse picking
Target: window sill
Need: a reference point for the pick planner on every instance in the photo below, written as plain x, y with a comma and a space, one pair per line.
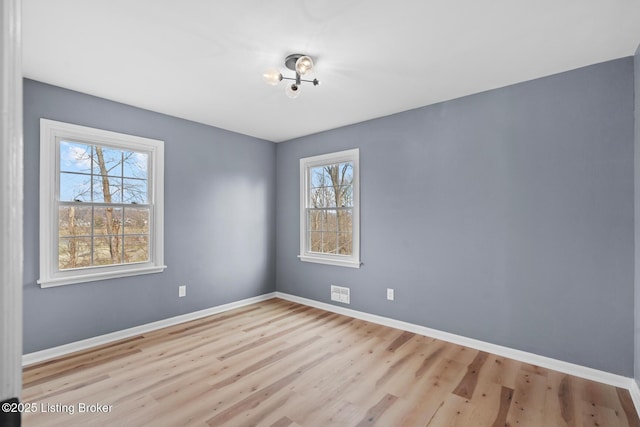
330, 261
91, 277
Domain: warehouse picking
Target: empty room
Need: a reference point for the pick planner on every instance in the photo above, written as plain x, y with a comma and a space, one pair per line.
320, 213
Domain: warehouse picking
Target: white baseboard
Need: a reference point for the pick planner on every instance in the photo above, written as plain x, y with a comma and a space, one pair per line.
522, 356
50, 353
635, 394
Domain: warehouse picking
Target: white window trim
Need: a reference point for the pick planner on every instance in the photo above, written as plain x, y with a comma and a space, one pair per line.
50, 133
324, 159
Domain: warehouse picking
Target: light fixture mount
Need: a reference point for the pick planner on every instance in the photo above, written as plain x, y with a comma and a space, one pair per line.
290, 61
299, 63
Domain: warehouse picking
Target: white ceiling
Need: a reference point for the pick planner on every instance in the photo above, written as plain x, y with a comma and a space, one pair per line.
203, 60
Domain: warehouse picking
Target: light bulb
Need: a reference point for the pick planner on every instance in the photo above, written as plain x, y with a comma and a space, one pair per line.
292, 90
272, 76
304, 65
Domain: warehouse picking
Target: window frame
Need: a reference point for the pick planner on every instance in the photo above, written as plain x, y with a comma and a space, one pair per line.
51, 133
306, 164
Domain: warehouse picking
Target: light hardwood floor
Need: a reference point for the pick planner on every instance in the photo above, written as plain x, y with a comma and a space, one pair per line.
278, 363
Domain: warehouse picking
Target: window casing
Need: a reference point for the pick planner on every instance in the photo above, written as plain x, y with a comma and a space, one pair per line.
330, 209
101, 204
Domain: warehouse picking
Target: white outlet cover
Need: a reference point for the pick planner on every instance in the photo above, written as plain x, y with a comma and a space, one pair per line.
390, 294
182, 291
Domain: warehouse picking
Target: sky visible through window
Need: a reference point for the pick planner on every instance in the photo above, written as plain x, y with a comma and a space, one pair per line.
82, 171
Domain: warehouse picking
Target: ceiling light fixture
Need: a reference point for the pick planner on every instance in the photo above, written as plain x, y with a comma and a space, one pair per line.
301, 64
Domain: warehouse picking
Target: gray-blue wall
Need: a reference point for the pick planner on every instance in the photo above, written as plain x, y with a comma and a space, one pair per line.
506, 216
219, 223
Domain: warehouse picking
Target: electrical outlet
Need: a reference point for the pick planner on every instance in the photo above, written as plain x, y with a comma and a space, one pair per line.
182, 291
390, 294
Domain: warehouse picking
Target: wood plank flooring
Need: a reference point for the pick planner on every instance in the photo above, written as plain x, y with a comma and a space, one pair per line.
281, 364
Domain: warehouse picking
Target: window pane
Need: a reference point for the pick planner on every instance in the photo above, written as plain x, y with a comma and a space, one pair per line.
346, 173
345, 220
317, 197
330, 231
345, 243
318, 177
136, 249
314, 220
74, 252
329, 243
114, 186
136, 221
345, 196
107, 250
75, 157
107, 161
74, 221
330, 201
75, 187
315, 241
107, 220
135, 165
334, 176
329, 220
135, 191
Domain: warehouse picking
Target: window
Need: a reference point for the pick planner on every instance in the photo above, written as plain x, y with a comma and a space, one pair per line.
101, 204
330, 209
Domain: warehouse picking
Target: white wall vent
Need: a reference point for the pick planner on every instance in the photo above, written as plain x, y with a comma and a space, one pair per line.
340, 294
